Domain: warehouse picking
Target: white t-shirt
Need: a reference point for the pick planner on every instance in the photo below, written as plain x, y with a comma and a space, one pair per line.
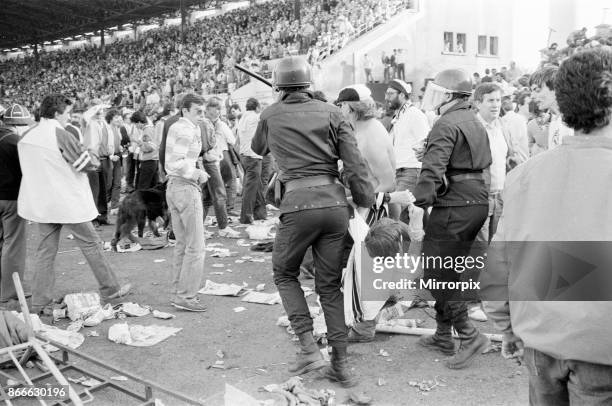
410, 128
499, 152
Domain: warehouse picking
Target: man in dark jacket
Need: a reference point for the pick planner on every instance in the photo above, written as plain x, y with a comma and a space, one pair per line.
12, 227
307, 138
453, 182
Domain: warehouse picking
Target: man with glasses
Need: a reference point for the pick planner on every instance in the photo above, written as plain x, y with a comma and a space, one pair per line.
409, 128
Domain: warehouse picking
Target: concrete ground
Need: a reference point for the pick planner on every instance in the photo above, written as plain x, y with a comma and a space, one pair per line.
256, 350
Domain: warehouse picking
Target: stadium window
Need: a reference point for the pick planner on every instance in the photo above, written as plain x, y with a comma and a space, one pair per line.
482, 45
461, 49
448, 42
493, 46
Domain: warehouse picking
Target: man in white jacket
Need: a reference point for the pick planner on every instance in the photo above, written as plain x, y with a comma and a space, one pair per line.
54, 166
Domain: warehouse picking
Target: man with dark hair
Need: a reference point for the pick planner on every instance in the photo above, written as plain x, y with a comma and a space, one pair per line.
565, 344
110, 156
409, 128
542, 84
453, 182
314, 208
253, 201
148, 157
53, 164
12, 227
184, 195
217, 163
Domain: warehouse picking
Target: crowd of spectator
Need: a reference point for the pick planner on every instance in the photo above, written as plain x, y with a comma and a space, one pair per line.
153, 68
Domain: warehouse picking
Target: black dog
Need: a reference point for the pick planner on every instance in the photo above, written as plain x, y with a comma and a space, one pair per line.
136, 208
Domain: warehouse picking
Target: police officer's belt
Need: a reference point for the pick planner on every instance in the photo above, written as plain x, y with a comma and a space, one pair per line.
466, 176
310, 181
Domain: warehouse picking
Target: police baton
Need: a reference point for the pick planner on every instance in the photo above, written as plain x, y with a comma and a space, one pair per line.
254, 75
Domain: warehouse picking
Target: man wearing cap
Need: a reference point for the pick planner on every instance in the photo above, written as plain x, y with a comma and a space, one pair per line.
314, 209
409, 130
12, 226
452, 181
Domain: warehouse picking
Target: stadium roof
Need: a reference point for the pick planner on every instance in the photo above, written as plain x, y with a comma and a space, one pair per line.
24, 22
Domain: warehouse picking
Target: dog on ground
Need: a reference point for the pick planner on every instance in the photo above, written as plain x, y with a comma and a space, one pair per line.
138, 207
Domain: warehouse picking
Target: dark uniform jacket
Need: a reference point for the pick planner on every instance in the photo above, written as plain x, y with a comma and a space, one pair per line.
307, 137
457, 144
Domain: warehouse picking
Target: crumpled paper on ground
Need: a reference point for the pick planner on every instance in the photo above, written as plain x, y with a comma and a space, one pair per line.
260, 231
140, 336
262, 298
105, 313
134, 309
220, 289
82, 305
295, 393
71, 339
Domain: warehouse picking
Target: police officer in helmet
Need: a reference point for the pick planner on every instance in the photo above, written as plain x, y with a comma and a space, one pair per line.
453, 180
307, 137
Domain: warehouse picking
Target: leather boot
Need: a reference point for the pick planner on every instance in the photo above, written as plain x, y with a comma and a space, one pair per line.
441, 340
362, 332
471, 343
309, 357
339, 371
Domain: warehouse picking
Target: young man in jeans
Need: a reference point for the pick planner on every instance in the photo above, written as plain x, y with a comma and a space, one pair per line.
54, 193
562, 195
184, 196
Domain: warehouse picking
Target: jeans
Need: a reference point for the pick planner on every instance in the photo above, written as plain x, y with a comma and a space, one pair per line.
147, 174
86, 237
400, 71
98, 190
213, 194
405, 179
557, 382
325, 231
185, 205
496, 206
253, 201
228, 173
12, 248
112, 180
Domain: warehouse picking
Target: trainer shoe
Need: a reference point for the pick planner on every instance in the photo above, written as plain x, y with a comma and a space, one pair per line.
123, 291
228, 232
191, 305
208, 234
476, 313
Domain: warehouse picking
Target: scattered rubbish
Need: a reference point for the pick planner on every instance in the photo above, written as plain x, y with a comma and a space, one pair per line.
493, 347
381, 382
82, 305
229, 270
257, 260
246, 257
75, 326
419, 331
260, 287
383, 353
239, 309
234, 396
59, 314
158, 402
307, 291
81, 263
105, 313
283, 321
157, 261
93, 334
220, 354
11, 382
426, 385
70, 237
89, 382
134, 309
214, 244
295, 393
223, 253
259, 232
411, 323
216, 273
218, 265
119, 378
262, 298
240, 261
359, 399
140, 336
128, 247
243, 243
163, 315
220, 289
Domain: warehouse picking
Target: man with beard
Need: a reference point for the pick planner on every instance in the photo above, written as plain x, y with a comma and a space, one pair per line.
409, 128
